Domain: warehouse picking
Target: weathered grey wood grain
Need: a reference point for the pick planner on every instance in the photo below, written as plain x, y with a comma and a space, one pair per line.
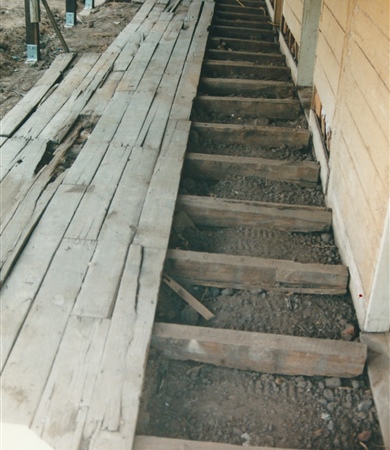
261, 352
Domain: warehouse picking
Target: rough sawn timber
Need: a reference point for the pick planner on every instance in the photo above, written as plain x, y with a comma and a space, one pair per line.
220, 212
216, 167
247, 272
18, 115
236, 134
261, 352
287, 109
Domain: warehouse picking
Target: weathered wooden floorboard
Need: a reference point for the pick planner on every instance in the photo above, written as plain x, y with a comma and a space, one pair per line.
134, 118
42, 116
232, 69
154, 443
90, 215
247, 272
188, 85
19, 178
219, 212
18, 115
23, 284
261, 352
134, 75
111, 423
257, 135
62, 410
156, 219
217, 167
97, 295
26, 215
246, 45
31, 360
122, 39
87, 163
286, 109
229, 86
258, 58
102, 96
136, 38
62, 121
10, 151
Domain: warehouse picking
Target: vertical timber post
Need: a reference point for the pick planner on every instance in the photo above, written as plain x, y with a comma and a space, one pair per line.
71, 12
31, 8
308, 47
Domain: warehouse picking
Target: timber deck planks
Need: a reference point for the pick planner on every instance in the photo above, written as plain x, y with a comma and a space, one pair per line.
95, 224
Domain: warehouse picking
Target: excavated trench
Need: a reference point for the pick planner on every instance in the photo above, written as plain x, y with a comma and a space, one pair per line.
250, 188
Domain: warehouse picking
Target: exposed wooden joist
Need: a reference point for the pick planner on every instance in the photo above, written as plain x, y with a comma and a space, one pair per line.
266, 136
240, 16
159, 443
231, 69
248, 24
242, 33
242, 44
247, 272
248, 3
216, 167
256, 57
239, 9
230, 86
287, 109
219, 212
261, 352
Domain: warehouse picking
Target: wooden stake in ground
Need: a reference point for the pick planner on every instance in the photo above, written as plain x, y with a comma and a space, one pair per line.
32, 29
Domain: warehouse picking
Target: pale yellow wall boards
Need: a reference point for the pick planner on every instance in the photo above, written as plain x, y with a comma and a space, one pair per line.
350, 77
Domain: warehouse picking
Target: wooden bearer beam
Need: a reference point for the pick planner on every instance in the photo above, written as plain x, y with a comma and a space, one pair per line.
248, 3
219, 212
254, 135
240, 68
261, 352
248, 272
243, 33
247, 24
158, 443
259, 58
240, 16
286, 109
229, 86
249, 46
216, 167
239, 9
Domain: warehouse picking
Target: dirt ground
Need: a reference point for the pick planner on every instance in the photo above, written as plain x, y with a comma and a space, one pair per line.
196, 401
94, 32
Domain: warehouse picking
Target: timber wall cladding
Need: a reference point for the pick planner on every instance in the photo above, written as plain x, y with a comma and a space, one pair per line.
351, 77
359, 164
292, 13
